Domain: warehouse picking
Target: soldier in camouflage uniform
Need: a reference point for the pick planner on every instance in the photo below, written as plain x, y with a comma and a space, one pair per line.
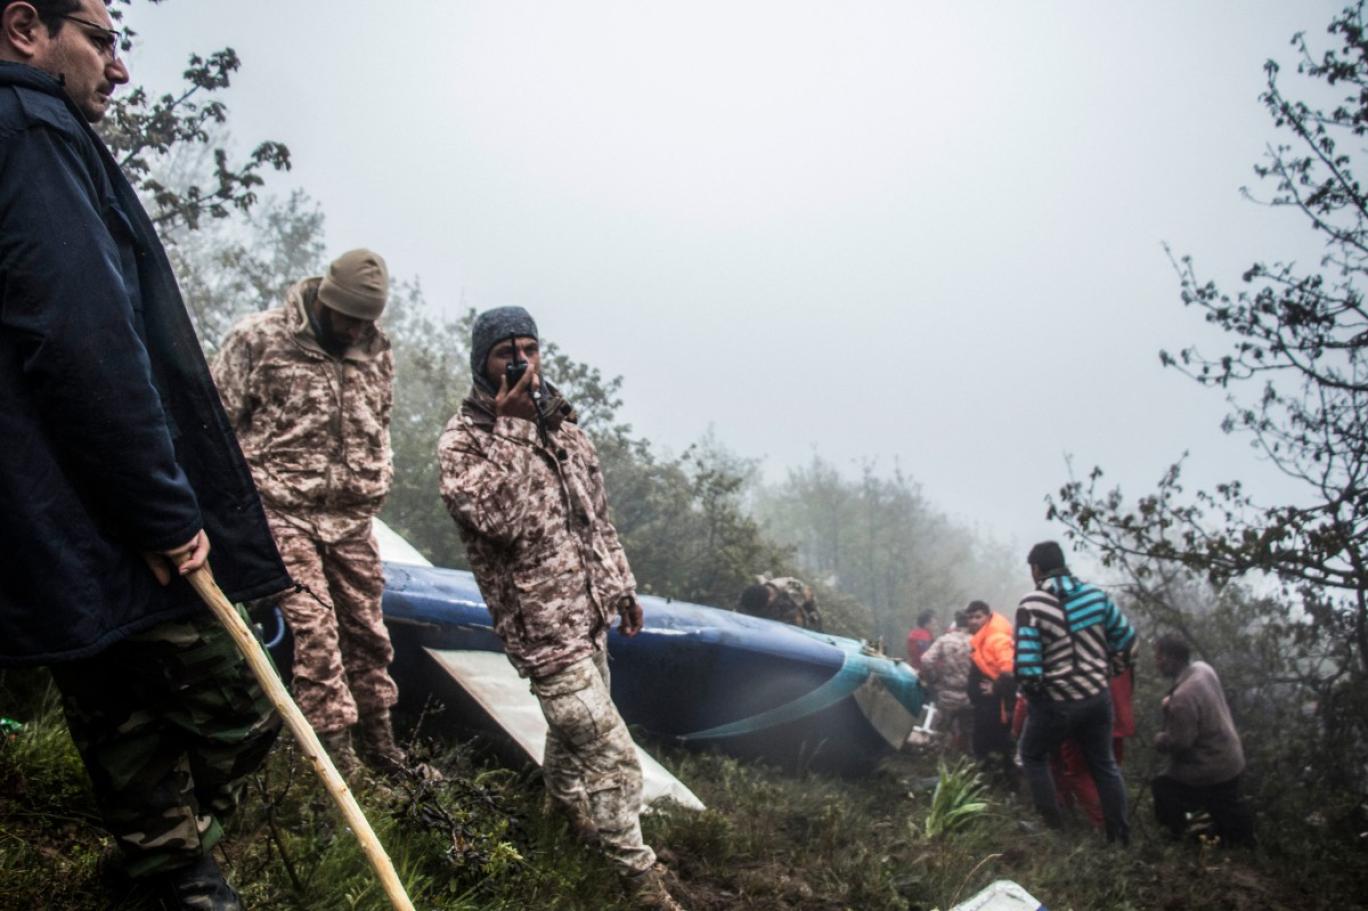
524, 485
308, 388
945, 667
118, 469
785, 599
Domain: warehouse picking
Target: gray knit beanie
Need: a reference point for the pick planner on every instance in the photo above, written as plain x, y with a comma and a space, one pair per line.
492, 327
357, 285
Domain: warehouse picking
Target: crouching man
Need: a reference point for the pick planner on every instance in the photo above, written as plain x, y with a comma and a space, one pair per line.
1205, 756
524, 485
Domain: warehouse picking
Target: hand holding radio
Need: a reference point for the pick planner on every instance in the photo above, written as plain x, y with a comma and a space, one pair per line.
517, 393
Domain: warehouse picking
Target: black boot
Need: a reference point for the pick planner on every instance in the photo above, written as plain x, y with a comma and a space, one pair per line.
649, 891
198, 887
339, 747
377, 747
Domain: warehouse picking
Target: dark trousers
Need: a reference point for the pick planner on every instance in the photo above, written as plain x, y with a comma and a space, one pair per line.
992, 736
1173, 800
1088, 722
169, 722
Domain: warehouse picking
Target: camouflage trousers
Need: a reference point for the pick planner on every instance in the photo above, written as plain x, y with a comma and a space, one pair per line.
342, 650
591, 763
169, 722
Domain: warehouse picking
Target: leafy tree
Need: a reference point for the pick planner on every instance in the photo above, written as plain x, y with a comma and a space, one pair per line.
141, 129
878, 541
684, 521
431, 377
232, 267
173, 148
1297, 340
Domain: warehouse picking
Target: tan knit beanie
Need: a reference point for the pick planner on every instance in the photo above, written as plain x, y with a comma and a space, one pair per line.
357, 285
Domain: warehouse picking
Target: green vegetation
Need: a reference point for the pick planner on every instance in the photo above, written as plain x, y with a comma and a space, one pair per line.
919, 833
958, 800
895, 840
1275, 594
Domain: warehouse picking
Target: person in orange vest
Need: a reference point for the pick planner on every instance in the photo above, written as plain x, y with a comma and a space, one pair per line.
992, 688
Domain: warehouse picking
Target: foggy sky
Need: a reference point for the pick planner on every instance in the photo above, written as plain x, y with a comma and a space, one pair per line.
927, 233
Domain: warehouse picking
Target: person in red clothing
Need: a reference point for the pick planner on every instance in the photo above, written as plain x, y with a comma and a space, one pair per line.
920, 639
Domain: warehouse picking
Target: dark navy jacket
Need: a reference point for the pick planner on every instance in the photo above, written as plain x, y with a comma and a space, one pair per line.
112, 438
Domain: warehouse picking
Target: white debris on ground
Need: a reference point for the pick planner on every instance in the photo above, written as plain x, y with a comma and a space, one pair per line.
1003, 895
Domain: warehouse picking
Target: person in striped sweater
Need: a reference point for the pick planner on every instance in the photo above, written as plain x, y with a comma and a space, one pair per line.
1070, 639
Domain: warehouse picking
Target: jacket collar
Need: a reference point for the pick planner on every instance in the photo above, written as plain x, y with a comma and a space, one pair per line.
22, 75
1183, 675
1058, 582
478, 405
997, 625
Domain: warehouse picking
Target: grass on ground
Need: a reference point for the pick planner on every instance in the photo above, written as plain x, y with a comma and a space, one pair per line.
770, 840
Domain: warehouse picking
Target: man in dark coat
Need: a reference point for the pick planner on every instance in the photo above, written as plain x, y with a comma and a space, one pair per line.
118, 469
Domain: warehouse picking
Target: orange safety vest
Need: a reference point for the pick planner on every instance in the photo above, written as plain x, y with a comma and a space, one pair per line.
991, 647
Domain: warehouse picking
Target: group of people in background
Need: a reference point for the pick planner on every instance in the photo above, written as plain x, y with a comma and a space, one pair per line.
1049, 698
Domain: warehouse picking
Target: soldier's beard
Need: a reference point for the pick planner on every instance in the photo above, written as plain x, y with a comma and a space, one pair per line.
328, 340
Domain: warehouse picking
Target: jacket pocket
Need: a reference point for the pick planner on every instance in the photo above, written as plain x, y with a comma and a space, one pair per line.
294, 477
370, 474
551, 598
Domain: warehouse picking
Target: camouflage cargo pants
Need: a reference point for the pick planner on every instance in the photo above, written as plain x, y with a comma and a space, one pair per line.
342, 650
168, 722
590, 760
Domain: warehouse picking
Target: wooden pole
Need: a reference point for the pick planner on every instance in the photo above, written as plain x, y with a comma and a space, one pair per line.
203, 583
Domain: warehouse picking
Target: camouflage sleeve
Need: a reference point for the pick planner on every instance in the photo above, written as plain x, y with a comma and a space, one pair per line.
387, 408
600, 495
931, 660
484, 483
232, 370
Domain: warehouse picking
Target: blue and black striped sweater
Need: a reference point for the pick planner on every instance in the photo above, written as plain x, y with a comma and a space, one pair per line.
1070, 638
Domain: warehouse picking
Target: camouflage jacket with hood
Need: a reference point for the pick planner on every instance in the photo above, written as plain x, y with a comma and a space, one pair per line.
945, 666
533, 515
314, 427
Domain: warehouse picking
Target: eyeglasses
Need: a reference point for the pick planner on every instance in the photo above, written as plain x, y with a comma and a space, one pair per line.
106, 40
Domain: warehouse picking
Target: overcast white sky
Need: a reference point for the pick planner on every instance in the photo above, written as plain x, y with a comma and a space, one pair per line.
912, 231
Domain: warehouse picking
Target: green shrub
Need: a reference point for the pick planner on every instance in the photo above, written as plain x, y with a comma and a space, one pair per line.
958, 799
